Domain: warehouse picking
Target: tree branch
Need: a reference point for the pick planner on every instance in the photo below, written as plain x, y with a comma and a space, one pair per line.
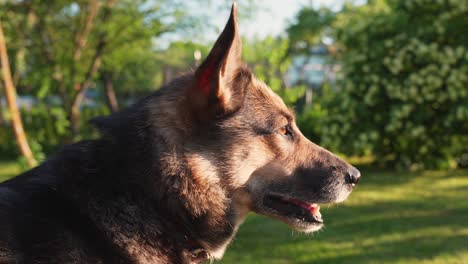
81, 38
93, 68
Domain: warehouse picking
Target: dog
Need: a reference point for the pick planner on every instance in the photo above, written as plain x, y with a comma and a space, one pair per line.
172, 178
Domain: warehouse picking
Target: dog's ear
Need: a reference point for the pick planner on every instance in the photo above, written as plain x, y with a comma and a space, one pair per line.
216, 87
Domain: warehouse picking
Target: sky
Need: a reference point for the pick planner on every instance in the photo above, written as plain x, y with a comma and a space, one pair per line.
271, 17
274, 16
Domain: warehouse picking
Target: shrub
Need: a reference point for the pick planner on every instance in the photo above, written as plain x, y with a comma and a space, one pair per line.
404, 89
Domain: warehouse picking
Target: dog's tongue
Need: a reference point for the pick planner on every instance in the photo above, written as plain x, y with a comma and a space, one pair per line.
313, 208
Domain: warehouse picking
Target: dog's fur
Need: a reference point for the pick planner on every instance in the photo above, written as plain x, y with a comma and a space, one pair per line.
172, 177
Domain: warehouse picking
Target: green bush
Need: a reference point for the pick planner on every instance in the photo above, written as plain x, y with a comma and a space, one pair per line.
404, 89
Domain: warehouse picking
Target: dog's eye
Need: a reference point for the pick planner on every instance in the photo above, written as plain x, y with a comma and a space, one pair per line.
285, 131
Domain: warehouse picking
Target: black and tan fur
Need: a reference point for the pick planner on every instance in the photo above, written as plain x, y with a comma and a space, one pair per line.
173, 176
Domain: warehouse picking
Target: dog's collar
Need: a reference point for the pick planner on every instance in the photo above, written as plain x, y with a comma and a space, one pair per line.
197, 254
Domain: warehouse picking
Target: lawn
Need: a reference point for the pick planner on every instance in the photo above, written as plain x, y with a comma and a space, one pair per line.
8, 169
390, 218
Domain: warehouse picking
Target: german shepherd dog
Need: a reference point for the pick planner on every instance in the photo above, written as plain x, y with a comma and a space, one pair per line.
173, 177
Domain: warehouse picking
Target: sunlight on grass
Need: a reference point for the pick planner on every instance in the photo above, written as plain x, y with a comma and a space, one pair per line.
8, 169
390, 218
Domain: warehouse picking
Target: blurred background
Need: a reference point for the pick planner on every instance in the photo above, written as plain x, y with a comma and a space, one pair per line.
384, 83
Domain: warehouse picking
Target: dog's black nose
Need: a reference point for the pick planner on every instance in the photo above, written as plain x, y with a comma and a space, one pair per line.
353, 176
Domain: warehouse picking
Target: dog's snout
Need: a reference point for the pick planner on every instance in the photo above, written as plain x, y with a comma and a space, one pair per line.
353, 176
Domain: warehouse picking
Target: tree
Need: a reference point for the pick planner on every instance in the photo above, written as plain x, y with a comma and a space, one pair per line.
10, 92
80, 41
310, 28
64, 44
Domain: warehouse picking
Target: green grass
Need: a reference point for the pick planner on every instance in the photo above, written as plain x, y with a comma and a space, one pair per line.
390, 218
8, 169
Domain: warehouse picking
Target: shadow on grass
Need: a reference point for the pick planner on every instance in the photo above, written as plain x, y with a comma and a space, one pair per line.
416, 249
374, 178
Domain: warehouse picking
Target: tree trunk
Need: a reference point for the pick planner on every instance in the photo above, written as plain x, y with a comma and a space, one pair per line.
10, 93
110, 92
80, 95
81, 88
2, 119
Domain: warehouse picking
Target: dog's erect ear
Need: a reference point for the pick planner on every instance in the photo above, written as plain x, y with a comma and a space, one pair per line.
215, 86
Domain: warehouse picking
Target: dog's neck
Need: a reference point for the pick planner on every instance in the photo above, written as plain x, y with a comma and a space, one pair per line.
194, 178
177, 211
209, 211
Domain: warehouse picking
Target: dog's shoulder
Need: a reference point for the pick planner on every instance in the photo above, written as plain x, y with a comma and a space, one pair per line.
27, 216
39, 223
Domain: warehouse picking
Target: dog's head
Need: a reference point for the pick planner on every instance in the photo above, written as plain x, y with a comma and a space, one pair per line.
218, 143
247, 137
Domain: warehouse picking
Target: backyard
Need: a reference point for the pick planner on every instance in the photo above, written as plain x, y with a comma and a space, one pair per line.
382, 83
392, 217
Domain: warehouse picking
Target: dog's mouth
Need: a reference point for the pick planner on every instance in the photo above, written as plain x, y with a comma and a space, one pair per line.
299, 214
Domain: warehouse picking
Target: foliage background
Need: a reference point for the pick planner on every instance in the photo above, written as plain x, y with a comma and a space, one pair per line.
404, 91
401, 93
